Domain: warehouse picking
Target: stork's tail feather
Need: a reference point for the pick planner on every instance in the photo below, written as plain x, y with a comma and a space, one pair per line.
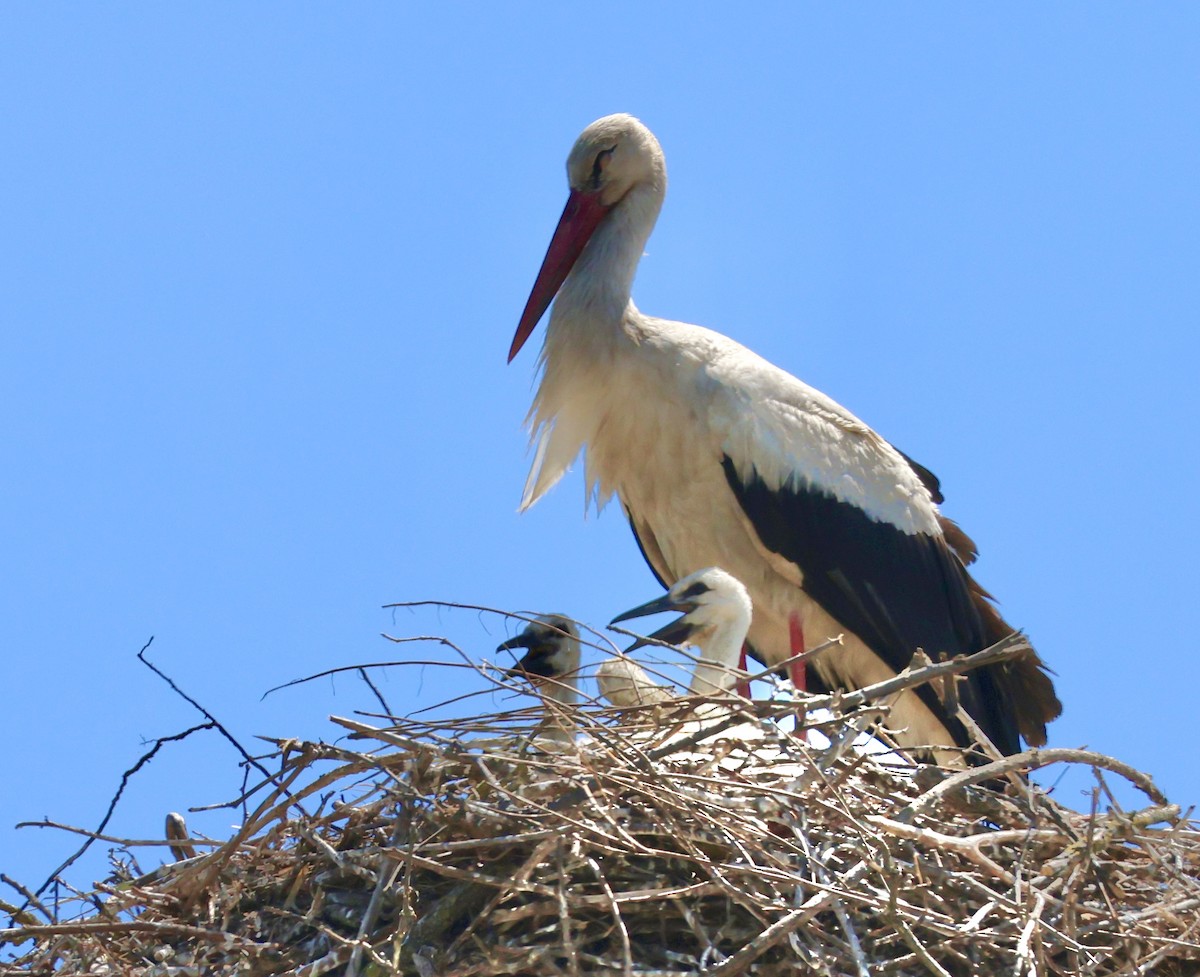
964, 547
1033, 695
1024, 681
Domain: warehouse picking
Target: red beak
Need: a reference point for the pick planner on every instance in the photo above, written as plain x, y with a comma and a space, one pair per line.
579, 221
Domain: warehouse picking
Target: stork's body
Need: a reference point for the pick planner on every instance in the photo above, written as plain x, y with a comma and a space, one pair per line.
720, 458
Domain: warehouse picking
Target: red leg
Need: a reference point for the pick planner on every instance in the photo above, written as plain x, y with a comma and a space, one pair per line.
797, 671
743, 686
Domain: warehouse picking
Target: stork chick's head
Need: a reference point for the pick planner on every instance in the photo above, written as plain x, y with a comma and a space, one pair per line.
711, 600
614, 159
552, 652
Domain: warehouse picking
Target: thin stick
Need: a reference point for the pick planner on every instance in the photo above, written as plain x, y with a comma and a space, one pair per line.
113, 839
1033, 760
112, 804
212, 720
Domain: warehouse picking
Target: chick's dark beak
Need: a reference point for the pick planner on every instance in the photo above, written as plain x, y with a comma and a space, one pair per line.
657, 606
677, 632
536, 661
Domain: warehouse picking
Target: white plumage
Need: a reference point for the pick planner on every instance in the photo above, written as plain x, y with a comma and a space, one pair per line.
625, 684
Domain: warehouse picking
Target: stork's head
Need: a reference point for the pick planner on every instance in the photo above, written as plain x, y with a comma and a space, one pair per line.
552, 651
612, 157
710, 600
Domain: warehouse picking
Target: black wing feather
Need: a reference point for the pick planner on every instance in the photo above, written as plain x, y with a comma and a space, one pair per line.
645, 543
897, 591
928, 478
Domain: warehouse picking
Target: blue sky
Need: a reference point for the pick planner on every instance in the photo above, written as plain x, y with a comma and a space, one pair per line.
262, 264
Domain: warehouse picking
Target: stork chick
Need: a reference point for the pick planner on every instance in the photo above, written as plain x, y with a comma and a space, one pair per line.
716, 616
551, 660
551, 663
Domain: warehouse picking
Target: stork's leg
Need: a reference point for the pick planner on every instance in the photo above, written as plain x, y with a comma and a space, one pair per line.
743, 685
797, 671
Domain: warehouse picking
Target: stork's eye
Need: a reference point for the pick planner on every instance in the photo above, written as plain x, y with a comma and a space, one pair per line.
598, 166
698, 589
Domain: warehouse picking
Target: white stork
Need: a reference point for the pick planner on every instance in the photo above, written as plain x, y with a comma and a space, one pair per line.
722, 459
716, 618
551, 660
551, 664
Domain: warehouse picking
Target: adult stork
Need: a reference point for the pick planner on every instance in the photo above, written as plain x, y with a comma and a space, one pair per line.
722, 459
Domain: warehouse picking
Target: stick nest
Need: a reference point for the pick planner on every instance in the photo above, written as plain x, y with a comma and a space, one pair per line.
586, 841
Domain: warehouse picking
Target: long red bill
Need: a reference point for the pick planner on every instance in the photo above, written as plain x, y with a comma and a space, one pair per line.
579, 220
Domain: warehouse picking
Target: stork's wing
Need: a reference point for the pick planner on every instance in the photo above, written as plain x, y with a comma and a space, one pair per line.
897, 591
931, 482
962, 544
858, 518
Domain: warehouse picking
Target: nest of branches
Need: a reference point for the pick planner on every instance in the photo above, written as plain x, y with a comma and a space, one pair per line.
704, 836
